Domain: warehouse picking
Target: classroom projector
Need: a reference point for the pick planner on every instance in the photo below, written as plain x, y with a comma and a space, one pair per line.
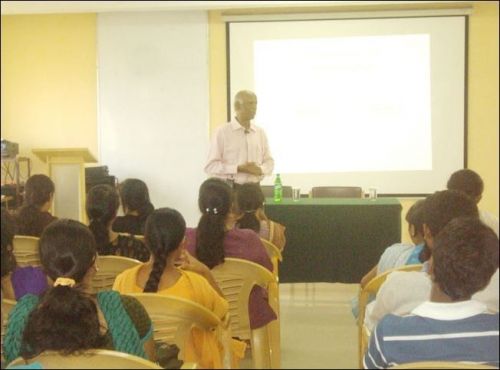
9, 149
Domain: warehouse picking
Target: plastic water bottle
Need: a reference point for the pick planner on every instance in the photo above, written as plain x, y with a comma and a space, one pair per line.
278, 189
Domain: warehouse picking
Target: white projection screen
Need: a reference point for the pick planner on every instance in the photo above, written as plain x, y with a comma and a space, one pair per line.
357, 102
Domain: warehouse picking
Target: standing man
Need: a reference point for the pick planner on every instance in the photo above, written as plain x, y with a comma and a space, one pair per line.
239, 151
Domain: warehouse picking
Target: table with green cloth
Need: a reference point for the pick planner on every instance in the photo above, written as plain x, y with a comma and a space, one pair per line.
334, 239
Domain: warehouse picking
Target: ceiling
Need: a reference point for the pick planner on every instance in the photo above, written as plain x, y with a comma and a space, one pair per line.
39, 7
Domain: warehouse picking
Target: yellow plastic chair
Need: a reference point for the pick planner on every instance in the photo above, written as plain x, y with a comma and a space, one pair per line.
173, 319
236, 278
90, 359
274, 294
189, 365
371, 288
26, 250
441, 365
274, 254
108, 268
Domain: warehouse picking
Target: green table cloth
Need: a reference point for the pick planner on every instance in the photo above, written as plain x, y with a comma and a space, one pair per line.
334, 239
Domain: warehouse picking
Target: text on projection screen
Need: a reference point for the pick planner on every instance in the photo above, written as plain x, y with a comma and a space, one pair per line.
373, 91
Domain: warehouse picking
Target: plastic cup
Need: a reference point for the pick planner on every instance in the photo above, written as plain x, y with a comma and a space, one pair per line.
296, 194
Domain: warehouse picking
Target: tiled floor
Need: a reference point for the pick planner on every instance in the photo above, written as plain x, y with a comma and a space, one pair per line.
318, 330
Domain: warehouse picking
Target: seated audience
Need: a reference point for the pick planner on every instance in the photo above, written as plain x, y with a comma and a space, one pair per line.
470, 183
102, 206
17, 281
449, 325
250, 215
403, 291
165, 237
136, 206
34, 215
216, 238
399, 254
67, 318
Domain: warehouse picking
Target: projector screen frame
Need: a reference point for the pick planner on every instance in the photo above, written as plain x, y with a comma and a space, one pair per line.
466, 65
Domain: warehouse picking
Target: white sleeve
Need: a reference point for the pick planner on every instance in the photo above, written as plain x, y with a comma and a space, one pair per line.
267, 159
399, 295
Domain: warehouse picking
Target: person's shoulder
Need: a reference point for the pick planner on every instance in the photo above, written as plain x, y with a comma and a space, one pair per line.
223, 127
392, 324
191, 234
28, 271
245, 234
406, 279
398, 247
196, 280
130, 272
407, 275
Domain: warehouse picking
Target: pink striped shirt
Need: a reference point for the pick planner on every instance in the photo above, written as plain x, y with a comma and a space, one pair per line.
232, 147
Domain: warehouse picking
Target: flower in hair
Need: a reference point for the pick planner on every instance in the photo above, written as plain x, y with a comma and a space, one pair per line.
64, 282
214, 210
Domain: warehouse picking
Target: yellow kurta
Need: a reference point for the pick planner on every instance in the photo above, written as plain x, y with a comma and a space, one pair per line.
203, 347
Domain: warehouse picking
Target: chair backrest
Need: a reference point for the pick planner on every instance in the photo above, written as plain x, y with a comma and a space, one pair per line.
371, 288
274, 254
108, 268
268, 191
441, 365
336, 192
173, 318
236, 278
94, 358
26, 250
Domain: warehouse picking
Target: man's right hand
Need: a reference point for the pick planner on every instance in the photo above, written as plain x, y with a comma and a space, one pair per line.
251, 168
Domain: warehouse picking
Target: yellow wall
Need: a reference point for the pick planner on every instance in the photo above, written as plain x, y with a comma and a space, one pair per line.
483, 99
483, 117
49, 84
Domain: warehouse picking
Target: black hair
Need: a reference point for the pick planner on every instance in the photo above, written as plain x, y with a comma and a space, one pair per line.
466, 181
214, 201
65, 319
134, 195
249, 198
102, 206
440, 208
165, 230
8, 231
37, 192
465, 256
415, 216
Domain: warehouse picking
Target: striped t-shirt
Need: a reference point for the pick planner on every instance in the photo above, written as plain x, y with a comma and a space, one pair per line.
459, 331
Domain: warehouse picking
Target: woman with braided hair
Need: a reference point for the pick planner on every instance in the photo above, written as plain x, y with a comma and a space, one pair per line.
34, 215
216, 238
67, 318
172, 271
102, 207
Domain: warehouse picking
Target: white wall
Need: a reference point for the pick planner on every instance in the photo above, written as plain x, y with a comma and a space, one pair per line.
153, 103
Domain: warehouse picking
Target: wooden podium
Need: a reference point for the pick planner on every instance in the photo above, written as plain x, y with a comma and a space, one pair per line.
67, 171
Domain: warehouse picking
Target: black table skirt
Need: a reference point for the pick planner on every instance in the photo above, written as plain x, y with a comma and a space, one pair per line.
334, 240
